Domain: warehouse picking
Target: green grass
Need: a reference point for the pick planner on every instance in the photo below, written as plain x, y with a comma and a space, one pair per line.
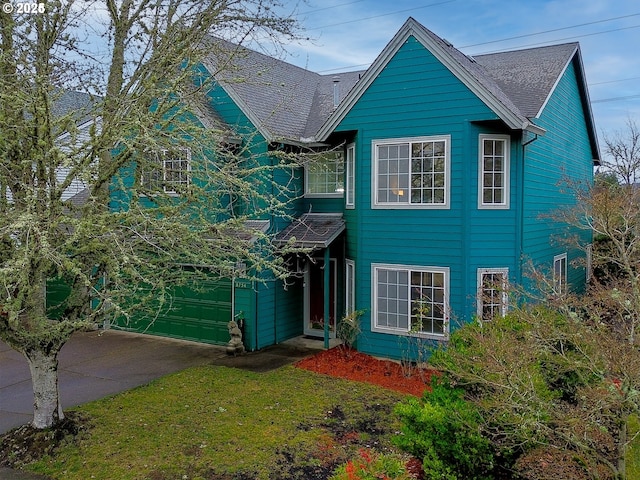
633, 451
210, 421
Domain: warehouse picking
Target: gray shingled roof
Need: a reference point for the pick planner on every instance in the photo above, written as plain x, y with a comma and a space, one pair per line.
288, 102
315, 230
475, 71
281, 99
323, 101
79, 104
528, 76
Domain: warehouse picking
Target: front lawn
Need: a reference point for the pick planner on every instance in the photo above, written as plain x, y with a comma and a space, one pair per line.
221, 423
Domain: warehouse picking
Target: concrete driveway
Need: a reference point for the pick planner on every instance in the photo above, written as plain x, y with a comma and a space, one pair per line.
97, 364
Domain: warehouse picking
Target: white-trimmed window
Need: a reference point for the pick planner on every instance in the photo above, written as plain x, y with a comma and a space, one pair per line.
173, 171
350, 199
324, 175
560, 274
493, 172
493, 298
350, 286
412, 172
408, 299
589, 262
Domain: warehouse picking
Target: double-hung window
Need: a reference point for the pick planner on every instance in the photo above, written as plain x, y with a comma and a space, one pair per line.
409, 299
492, 293
168, 170
560, 274
493, 172
325, 174
412, 172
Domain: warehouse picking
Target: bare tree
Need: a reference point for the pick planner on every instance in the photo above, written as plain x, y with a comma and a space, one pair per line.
554, 391
557, 381
622, 151
125, 243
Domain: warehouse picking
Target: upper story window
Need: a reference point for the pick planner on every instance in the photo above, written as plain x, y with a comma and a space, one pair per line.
324, 175
493, 190
350, 200
172, 172
412, 172
410, 299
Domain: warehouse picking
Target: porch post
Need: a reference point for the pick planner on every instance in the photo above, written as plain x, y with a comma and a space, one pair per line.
327, 296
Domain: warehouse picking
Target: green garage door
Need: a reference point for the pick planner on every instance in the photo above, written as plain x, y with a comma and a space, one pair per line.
200, 315
56, 295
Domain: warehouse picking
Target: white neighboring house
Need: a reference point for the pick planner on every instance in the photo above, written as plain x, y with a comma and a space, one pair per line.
77, 189
79, 106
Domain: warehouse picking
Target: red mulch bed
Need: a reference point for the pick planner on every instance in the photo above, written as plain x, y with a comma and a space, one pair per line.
347, 363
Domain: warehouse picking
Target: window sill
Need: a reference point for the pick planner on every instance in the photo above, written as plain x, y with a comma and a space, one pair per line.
406, 333
324, 195
410, 206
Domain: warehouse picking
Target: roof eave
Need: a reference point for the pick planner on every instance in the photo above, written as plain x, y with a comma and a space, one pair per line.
586, 101
244, 108
591, 125
533, 128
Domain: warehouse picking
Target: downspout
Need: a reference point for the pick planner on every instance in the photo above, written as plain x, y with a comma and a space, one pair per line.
255, 311
520, 172
272, 220
326, 308
233, 295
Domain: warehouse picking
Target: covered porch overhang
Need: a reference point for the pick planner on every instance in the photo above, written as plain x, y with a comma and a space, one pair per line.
316, 232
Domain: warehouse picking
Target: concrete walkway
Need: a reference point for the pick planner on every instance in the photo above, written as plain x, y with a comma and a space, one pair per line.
97, 364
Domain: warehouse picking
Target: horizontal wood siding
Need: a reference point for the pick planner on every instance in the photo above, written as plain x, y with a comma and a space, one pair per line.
278, 311
323, 205
289, 308
416, 96
292, 182
244, 311
265, 315
563, 153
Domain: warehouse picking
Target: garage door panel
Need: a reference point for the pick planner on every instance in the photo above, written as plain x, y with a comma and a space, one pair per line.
199, 314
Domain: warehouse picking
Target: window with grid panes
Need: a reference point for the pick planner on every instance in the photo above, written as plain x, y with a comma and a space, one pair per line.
492, 293
325, 175
172, 172
494, 172
413, 173
411, 299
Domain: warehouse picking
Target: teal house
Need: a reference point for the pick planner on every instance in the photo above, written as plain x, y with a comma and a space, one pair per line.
430, 194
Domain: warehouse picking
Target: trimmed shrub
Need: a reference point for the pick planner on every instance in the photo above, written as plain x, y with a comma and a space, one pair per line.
444, 431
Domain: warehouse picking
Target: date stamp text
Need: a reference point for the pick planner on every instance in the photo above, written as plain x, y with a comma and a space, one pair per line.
20, 8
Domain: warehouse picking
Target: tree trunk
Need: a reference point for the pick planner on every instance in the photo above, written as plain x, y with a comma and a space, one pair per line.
47, 409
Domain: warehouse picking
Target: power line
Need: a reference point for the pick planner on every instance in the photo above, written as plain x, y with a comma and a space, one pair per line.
615, 81
382, 15
552, 30
329, 8
558, 40
615, 99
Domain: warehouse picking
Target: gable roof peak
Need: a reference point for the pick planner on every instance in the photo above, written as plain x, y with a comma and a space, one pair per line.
464, 68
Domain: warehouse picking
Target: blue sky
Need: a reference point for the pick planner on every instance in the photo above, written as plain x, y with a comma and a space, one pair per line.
349, 34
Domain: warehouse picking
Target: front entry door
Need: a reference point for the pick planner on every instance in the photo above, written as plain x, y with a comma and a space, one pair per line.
314, 298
